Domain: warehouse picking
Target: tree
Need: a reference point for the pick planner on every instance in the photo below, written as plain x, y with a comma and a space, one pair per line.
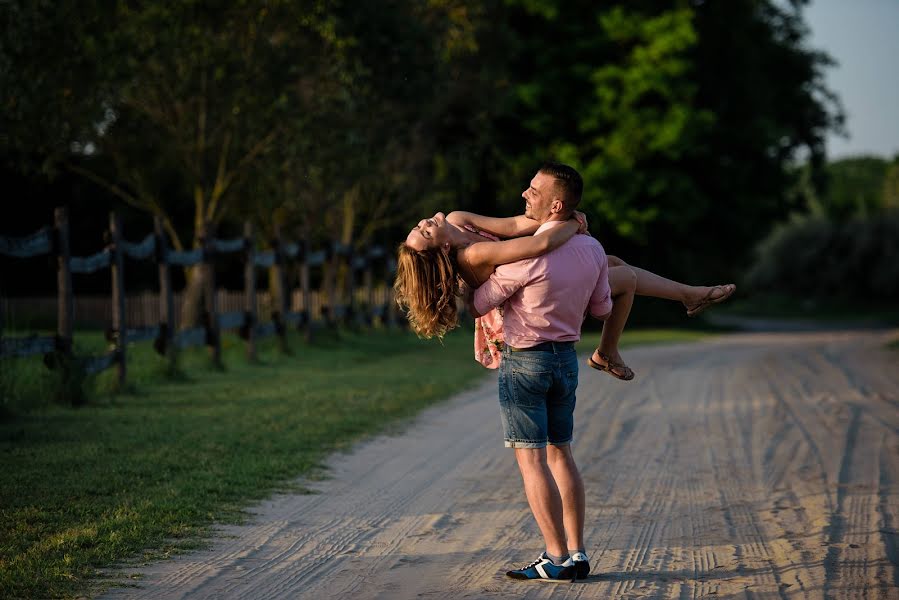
192, 97
683, 117
891, 186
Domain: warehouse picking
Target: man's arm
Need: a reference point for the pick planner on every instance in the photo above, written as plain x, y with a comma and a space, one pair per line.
468, 300
504, 282
504, 227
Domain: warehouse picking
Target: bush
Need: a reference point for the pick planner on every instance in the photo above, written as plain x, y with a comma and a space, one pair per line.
813, 256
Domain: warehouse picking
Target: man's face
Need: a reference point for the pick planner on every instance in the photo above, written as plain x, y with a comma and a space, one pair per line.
429, 233
539, 197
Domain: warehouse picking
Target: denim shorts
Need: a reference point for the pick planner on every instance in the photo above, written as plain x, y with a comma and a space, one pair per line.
537, 396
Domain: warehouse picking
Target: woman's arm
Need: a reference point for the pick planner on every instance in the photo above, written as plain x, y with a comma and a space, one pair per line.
504, 227
499, 253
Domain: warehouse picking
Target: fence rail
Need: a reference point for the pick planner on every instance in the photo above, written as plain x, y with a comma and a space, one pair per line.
152, 315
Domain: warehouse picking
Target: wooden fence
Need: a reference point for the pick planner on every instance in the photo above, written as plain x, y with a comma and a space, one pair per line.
146, 316
142, 308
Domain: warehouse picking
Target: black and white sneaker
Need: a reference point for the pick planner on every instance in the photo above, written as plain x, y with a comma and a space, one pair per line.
543, 569
581, 564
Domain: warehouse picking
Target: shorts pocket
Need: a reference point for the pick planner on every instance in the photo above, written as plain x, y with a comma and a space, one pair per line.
531, 385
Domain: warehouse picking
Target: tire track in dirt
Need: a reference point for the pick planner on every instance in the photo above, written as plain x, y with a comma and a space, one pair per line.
748, 466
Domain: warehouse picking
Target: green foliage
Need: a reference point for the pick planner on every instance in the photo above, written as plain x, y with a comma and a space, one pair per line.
350, 120
890, 197
644, 111
49, 76
855, 186
812, 256
683, 118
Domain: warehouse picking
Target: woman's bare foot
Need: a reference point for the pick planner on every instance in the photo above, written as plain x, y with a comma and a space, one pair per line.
612, 364
700, 297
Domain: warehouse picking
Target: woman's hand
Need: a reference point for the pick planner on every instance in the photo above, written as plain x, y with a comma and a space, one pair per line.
581, 218
463, 287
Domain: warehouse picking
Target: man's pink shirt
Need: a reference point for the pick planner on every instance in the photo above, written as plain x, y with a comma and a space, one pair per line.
545, 299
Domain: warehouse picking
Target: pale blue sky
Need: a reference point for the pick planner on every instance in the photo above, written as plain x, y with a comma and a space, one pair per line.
863, 37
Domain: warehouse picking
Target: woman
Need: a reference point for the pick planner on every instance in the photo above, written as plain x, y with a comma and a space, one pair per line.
440, 250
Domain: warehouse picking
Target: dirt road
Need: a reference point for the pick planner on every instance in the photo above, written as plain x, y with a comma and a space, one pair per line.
750, 466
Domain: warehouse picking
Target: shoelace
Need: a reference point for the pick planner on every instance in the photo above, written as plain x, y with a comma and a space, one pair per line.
534, 564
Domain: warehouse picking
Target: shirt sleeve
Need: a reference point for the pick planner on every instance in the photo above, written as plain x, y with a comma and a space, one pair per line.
505, 281
601, 298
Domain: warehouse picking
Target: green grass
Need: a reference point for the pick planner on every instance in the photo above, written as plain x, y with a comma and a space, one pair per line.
143, 474
643, 337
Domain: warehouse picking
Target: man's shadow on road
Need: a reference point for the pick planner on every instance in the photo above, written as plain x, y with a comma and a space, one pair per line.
668, 577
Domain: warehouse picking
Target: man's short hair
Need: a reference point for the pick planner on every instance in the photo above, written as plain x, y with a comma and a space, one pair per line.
568, 180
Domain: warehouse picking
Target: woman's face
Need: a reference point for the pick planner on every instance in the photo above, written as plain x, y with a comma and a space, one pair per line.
429, 233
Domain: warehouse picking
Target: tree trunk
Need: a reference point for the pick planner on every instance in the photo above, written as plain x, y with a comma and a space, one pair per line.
192, 298
346, 238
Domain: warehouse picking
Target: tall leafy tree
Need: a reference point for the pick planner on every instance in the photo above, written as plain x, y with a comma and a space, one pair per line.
184, 100
683, 117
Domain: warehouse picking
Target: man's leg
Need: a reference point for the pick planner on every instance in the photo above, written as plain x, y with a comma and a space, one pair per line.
571, 488
543, 497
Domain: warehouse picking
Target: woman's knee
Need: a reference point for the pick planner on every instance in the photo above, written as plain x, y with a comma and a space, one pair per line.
622, 280
614, 261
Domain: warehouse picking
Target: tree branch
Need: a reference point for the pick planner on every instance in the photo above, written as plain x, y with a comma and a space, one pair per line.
107, 185
215, 210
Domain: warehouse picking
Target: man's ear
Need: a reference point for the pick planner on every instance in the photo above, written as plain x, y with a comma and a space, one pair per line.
556, 206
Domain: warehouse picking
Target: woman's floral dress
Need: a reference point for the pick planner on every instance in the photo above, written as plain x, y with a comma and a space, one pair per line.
488, 329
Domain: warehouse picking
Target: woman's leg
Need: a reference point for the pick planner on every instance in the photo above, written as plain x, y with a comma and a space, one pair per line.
623, 281
691, 296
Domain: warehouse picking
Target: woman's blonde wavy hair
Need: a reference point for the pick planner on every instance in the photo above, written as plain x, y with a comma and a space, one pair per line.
426, 288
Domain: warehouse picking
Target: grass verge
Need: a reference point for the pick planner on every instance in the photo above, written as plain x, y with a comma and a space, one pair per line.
143, 474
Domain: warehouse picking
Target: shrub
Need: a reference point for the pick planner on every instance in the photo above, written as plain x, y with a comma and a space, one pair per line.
813, 256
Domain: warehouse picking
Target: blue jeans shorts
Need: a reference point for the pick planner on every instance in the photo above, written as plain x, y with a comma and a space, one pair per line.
537, 395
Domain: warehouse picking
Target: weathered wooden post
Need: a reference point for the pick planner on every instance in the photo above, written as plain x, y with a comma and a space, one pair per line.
304, 286
213, 339
351, 314
332, 262
119, 318
281, 301
63, 283
249, 283
65, 309
167, 324
356, 317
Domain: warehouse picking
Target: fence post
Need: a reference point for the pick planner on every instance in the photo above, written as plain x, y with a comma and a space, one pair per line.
63, 282
332, 263
351, 314
304, 285
119, 319
281, 302
213, 339
167, 325
249, 282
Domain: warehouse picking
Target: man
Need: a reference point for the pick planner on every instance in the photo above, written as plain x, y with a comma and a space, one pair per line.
544, 301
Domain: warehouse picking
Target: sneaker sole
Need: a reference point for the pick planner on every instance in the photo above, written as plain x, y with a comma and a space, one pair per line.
539, 579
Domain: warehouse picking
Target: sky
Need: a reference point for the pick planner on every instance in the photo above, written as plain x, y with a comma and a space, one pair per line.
863, 37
